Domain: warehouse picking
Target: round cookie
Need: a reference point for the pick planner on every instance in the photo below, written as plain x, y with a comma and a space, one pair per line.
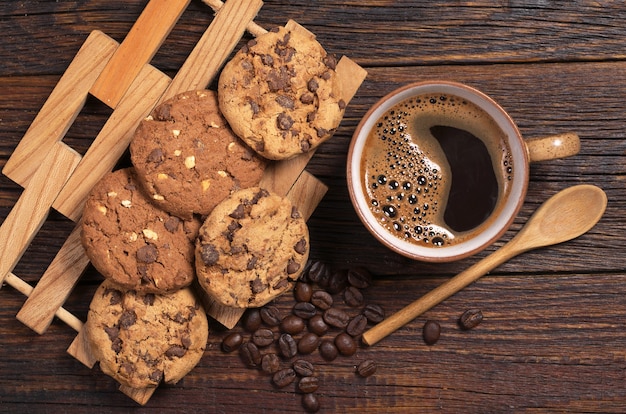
187, 157
134, 243
251, 248
280, 93
143, 339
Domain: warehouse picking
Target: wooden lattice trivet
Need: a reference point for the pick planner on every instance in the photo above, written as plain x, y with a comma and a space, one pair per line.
55, 176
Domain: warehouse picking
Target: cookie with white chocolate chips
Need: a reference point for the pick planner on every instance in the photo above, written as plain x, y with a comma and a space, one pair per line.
280, 93
134, 243
251, 248
187, 157
142, 340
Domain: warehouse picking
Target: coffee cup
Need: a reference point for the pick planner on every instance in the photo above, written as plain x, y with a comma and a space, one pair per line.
438, 171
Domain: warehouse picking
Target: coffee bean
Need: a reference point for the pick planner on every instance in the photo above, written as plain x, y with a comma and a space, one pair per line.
317, 325
232, 342
328, 350
310, 403
305, 310
338, 281
322, 299
308, 343
270, 363
302, 292
263, 337
250, 354
287, 346
357, 325
345, 344
359, 277
284, 377
252, 320
308, 384
336, 317
270, 315
292, 324
303, 368
319, 273
353, 297
366, 368
431, 332
471, 318
374, 313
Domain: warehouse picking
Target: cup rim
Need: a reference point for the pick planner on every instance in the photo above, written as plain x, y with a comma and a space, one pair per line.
506, 215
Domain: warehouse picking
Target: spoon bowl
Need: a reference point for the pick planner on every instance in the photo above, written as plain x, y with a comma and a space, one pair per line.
565, 216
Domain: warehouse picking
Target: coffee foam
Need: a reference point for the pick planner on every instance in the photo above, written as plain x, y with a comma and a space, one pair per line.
406, 174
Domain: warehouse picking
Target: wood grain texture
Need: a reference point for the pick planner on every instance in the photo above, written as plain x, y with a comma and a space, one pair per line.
553, 337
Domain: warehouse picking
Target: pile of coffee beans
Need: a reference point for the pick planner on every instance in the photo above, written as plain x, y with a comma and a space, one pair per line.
328, 317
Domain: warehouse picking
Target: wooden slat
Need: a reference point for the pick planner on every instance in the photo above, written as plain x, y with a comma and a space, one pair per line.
140, 45
60, 109
30, 211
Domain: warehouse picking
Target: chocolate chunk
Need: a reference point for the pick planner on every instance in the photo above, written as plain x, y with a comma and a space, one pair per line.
267, 60
300, 247
312, 85
238, 213
175, 351
252, 262
278, 79
162, 113
147, 254
321, 132
307, 98
113, 332
260, 146
330, 61
326, 75
285, 101
257, 286
148, 299
127, 319
254, 106
171, 224
284, 121
295, 214
156, 156
292, 267
156, 376
116, 296
209, 254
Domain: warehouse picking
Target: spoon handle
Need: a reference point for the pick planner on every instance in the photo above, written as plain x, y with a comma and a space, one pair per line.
442, 292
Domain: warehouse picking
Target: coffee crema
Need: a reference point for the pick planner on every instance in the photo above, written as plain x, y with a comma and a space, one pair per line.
435, 169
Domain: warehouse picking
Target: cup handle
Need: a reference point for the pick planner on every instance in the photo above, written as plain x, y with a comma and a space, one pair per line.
553, 146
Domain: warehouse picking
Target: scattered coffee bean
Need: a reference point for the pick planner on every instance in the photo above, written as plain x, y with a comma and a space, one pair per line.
338, 281
232, 342
287, 346
471, 318
328, 350
319, 273
357, 325
353, 297
359, 277
270, 315
310, 403
431, 332
303, 291
308, 384
317, 325
250, 354
308, 343
305, 310
366, 368
270, 363
252, 320
303, 368
292, 324
345, 344
263, 337
322, 299
336, 317
284, 377
374, 313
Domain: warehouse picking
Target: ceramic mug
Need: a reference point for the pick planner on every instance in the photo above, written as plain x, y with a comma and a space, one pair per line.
437, 171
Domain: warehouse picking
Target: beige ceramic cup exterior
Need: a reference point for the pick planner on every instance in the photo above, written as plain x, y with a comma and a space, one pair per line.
523, 152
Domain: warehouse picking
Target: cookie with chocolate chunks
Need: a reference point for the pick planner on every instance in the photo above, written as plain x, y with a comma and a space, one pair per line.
187, 157
134, 243
251, 248
280, 93
142, 340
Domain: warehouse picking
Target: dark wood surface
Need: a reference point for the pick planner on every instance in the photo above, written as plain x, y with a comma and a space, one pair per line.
553, 338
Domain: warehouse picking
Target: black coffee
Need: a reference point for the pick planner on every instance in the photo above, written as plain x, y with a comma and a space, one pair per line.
435, 169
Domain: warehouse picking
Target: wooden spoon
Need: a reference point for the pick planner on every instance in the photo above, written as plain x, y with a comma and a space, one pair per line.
565, 216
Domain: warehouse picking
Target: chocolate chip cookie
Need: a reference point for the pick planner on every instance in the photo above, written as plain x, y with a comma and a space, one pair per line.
134, 243
280, 93
187, 157
251, 248
143, 339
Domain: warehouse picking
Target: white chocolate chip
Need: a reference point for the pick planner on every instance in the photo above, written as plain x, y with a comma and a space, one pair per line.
132, 237
205, 184
190, 161
111, 194
231, 146
150, 234
214, 125
158, 197
102, 209
222, 173
162, 176
176, 132
126, 203
149, 118
177, 153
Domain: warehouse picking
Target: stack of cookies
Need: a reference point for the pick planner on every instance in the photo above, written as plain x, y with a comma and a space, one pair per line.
190, 208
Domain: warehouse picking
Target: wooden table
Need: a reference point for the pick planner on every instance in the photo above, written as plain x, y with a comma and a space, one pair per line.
553, 336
